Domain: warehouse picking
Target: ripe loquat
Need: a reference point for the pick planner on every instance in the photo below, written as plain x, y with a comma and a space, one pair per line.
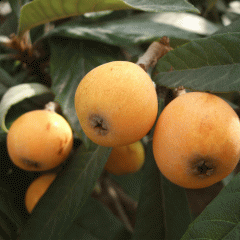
196, 141
126, 159
39, 140
116, 104
36, 190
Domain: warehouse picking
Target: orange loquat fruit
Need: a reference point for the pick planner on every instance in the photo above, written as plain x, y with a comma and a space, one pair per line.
39, 140
126, 159
37, 189
116, 104
196, 140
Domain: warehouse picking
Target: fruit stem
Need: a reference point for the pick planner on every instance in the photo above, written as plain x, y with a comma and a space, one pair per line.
114, 197
154, 52
53, 106
179, 91
122, 214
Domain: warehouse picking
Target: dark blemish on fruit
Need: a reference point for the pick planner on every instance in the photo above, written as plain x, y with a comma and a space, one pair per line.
99, 124
60, 150
31, 164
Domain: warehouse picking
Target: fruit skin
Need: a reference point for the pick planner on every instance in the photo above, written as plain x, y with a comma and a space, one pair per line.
36, 190
39, 140
196, 140
116, 104
126, 159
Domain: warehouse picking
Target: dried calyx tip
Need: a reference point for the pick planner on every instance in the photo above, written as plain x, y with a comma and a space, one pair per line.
203, 168
98, 124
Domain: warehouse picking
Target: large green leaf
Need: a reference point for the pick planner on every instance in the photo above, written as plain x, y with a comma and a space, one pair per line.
16, 94
131, 30
131, 183
56, 211
216, 78
42, 11
150, 219
177, 212
71, 60
10, 25
98, 220
78, 232
220, 219
233, 27
10, 221
162, 5
211, 63
150, 222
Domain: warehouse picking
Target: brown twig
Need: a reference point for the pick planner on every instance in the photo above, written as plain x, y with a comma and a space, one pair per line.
113, 196
155, 51
118, 205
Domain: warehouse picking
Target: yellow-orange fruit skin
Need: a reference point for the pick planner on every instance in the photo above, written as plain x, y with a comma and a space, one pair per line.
36, 190
122, 98
196, 141
39, 140
126, 159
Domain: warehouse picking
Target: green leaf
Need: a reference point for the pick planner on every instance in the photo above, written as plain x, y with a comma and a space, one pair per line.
16, 94
150, 222
131, 30
220, 219
16, 7
233, 27
2, 135
10, 25
211, 230
131, 183
61, 204
216, 79
6, 79
177, 212
42, 11
71, 60
8, 214
5, 57
98, 220
78, 232
205, 64
162, 5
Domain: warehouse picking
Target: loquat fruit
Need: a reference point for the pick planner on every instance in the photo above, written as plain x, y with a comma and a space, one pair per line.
126, 159
39, 140
196, 141
37, 189
116, 104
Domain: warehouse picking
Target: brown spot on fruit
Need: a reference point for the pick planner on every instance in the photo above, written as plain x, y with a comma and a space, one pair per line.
48, 126
31, 164
98, 124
